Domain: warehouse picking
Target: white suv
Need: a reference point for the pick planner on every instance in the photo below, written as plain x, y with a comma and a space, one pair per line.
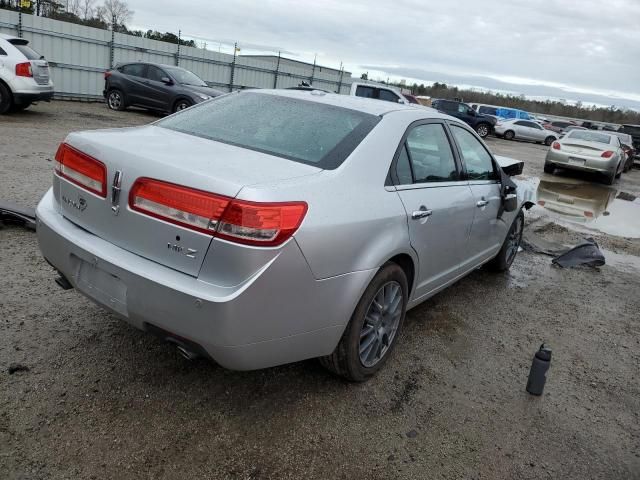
24, 75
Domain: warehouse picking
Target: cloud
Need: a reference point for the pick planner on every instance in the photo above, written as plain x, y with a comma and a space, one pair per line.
586, 46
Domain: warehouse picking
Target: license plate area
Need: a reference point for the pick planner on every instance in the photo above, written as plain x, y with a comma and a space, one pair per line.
104, 287
577, 161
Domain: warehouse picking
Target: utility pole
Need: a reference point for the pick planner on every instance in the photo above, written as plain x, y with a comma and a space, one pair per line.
313, 70
233, 65
113, 41
177, 59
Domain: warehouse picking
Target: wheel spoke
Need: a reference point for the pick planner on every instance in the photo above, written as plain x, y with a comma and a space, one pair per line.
367, 330
366, 344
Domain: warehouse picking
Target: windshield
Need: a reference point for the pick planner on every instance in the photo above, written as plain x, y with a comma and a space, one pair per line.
185, 77
300, 130
589, 136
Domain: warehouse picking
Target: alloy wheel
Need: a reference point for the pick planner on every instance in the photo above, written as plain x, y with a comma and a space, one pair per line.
483, 131
182, 106
380, 324
514, 240
115, 100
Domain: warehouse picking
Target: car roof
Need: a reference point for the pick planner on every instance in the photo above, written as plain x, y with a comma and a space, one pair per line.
9, 37
352, 102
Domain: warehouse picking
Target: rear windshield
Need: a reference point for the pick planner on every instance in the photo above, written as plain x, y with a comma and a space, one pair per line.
299, 130
589, 136
27, 51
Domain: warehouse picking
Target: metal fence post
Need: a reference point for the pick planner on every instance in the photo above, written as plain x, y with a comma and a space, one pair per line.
112, 42
19, 26
340, 80
275, 77
177, 61
313, 70
233, 66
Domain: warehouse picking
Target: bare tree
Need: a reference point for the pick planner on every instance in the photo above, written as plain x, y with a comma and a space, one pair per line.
114, 11
73, 6
86, 9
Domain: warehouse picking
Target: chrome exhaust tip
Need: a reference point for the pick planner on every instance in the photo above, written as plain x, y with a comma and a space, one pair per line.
186, 353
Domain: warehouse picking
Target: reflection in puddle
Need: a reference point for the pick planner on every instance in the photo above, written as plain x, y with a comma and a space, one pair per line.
598, 207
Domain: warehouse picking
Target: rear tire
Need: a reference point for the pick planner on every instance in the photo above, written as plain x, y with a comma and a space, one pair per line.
509, 135
6, 99
507, 254
483, 130
115, 100
369, 316
549, 140
549, 168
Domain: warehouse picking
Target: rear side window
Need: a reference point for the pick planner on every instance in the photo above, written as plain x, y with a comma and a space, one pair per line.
293, 128
387, 95
403, 168
133, 69
366, 92
28, 52
2, 52
430, 153
475, 156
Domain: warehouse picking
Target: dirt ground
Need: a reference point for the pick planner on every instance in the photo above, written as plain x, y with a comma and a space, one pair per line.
103, 400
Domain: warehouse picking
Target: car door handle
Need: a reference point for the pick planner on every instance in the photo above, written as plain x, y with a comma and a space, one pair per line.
482, 203
422, 213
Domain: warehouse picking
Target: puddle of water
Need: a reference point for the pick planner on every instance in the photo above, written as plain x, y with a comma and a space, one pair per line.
594, 206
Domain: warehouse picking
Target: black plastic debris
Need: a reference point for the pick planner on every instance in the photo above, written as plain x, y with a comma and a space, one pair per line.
586, 253
10, 213
17, 367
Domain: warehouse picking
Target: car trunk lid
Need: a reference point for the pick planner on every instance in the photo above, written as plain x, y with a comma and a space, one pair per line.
169, 156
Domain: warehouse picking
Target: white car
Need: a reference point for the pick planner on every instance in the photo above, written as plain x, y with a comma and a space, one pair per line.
24, 75
524, 130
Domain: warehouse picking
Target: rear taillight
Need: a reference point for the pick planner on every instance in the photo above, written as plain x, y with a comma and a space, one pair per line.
555, 146
607, 154
81, 169
251, 223
541, 203
107, 74
24, 69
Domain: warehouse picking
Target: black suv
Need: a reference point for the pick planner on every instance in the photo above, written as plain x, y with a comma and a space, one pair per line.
158, 87
482, 124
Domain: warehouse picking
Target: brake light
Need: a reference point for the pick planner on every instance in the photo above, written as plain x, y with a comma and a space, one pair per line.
555, 146
541, 203
107, 74
607, 154
251, 223
24, 70
588, 214
81, 169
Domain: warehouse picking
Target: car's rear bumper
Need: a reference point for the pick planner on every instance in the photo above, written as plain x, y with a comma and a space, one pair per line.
22, 98
280, 315
591, 164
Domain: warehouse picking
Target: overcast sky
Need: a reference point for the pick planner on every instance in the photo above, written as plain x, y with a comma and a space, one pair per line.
585, 50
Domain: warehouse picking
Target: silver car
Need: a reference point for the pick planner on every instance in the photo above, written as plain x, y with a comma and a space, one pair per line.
588, 151
524, 130
267, 227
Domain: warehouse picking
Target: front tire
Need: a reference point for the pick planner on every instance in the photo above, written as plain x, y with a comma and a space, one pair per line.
374, 328
509, 135
507, 254
483, 130
6, 99
181, 105
115, 100
549, 140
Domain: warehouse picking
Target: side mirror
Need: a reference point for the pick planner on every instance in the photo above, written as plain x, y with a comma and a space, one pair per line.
510, 202
166, 81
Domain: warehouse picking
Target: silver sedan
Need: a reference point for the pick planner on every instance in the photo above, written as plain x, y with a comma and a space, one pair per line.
587, 151
524, 130
267, 227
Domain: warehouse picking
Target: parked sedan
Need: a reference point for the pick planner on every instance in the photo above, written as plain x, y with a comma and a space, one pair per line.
627, 146
159, 87
587, 150
524, 130
267, 227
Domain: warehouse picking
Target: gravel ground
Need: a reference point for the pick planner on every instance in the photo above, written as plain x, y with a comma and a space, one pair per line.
102, 400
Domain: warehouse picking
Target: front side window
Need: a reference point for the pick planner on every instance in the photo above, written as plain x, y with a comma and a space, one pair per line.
134, 69
488, 110
387, 95
185, 77
430, 153
299, 130
476, 158
366, 92
2, 52
155, 74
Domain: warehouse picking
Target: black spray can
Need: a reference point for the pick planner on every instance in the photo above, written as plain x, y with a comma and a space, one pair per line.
538, 372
